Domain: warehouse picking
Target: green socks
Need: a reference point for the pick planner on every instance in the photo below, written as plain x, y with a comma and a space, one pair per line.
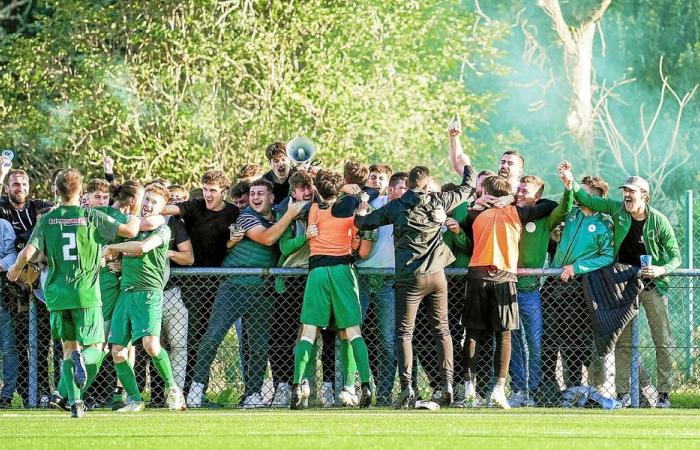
311, 364
93, 360
162, 363
347, 359
72, 391
302, 356
126, 375
359, 348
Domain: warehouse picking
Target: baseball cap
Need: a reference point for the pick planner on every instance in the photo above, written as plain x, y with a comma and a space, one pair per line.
636, 183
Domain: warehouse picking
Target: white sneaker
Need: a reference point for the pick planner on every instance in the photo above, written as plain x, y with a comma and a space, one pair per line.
498, 399
283, 396
132, 406
305, 393
437, 395
347, 398
194, 397
470, 399
175, 400
327, 395
650, 394
255, 400
517, 399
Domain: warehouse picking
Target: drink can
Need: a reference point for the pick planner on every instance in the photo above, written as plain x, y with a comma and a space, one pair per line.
645, 260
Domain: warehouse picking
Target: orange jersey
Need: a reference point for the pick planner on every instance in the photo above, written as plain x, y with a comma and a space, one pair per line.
334, 234
496, 238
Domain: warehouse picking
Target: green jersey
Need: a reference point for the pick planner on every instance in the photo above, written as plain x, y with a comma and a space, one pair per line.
71, 238
109, 279
459, 244
147, 272
534, 241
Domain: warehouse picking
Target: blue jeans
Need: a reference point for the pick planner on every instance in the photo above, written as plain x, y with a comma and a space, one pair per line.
10, 361
233, 301
526, 354
382, 298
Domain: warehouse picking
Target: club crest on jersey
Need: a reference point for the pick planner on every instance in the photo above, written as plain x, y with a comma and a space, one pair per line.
591, 228
530, 227
69, 222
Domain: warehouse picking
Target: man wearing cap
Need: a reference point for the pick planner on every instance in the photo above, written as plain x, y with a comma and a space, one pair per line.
642, 230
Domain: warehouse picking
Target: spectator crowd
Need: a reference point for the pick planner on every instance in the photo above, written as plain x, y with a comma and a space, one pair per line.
485, 337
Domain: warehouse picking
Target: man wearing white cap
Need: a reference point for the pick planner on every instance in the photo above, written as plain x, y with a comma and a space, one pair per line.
642, 230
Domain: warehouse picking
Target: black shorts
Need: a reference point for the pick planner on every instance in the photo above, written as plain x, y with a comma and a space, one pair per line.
491, 306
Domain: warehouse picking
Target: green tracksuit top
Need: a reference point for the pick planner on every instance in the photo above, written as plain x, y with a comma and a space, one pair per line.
658, 235
534, 240
586, 242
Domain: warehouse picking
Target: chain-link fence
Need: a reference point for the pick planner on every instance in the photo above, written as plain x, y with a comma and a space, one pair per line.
233, 332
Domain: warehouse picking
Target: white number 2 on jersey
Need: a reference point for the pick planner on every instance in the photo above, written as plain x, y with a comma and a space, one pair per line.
71, 245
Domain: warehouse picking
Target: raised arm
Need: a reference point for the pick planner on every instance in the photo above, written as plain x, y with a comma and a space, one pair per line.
375, 219
457, 156
452, 199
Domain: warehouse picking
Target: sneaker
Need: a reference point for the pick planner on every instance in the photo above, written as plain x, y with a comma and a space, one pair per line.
625, 399
119, 399
77, 410
470, 397
255, 400
499, 400
517, 399
663, 402
650, 395
195, 395
347, 398
446, 396
407, 398
327, 395
80, 372
365, 396
437, 395
132, 406
175, 400
282, 396
300, 395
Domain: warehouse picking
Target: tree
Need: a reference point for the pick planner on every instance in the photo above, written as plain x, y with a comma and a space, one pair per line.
172, 88
577, 43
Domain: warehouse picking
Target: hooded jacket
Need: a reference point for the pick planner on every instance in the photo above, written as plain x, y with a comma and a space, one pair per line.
418, 245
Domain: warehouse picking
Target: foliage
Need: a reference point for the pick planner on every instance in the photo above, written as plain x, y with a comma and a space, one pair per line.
172, 88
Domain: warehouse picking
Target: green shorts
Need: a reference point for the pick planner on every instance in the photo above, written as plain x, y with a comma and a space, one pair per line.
109, 293
137, 314
332, 291
84, 325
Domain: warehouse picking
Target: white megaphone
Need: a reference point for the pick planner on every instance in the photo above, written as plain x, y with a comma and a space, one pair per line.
301, 150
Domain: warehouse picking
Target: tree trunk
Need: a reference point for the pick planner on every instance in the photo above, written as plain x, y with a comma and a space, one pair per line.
578, 61
578, 58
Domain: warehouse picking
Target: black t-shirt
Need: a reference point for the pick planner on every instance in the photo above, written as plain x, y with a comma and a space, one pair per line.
178, 235
632, 246
22, 220
208, 230
281, 191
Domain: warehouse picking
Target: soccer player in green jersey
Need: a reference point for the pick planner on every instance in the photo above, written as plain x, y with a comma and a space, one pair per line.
139, 308
70, 236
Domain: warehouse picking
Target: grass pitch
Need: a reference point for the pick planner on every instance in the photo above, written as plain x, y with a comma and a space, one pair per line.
339, 429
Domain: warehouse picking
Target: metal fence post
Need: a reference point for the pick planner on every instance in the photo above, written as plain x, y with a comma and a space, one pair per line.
33, 339
634, 366
691, 300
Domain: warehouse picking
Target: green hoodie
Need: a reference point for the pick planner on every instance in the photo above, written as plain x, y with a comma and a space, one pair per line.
659, 238
586, 242
534, 240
